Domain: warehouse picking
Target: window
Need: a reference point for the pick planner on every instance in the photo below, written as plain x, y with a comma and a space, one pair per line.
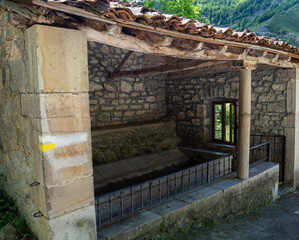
224, 122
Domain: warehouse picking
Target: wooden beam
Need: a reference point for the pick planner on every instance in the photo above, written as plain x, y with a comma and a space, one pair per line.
121, 64
185, 66
147, 28
217, 66
131, 43
20, 9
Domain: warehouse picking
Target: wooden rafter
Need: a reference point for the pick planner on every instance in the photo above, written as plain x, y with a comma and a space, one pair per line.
208, 49
121, 65
169, 68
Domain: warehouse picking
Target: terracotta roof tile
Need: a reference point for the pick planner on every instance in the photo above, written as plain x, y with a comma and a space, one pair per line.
144, 15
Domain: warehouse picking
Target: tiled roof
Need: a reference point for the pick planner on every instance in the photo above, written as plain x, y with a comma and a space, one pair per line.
154, 18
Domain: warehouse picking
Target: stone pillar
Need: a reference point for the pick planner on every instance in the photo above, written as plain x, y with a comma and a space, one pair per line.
244, 124
57, 102
292, 131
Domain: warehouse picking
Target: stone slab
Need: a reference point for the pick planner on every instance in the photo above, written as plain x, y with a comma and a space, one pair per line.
225, 183
198, 194
77, 225
63, 199
108, 171
172, 211
55, 105
63, 50
62, 125
132, 227
60, 170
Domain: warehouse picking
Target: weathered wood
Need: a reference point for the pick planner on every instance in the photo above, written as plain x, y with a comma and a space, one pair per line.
121, 64
71, 10
19, 9
161, 69
216, 67
147, 28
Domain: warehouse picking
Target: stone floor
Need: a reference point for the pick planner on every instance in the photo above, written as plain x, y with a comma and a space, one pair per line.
278, 220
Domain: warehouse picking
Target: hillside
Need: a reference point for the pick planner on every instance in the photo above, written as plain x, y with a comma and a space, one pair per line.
272, 18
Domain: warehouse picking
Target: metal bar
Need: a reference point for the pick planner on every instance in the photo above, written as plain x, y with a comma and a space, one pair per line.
110, 206
208, 172
219, 164
201, 181
195, 182
159, 189
141, 192
183, 181
175, 190
224, 170
214, 170
189, 180
121, 203
269, 152
167, 187
99, 212
132, 203
151, 197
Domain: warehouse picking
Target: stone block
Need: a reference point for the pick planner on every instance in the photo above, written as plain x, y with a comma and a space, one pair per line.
55, 105
132, 228
198, 194
61, 125
57, 60
172, 211
77, 225
65, 169
226, 183
66, 198
64, 145
108, 171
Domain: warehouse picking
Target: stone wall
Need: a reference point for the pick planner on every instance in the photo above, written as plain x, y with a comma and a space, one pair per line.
45, 129
129, 141
123, 100
189, 102
17, 155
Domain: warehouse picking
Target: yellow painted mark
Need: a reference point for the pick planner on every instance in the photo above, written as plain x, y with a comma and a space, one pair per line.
47, 147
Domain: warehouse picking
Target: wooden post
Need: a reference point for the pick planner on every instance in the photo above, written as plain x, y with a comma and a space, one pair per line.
244, 124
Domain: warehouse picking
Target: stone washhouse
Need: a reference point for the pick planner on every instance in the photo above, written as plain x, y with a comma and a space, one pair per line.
113, 114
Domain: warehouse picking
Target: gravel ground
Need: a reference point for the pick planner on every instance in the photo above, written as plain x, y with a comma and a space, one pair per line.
277, 221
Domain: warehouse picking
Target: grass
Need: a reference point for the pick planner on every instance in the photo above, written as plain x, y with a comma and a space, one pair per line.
9, 214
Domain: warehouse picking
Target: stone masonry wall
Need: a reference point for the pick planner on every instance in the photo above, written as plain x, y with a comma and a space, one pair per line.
17, 156
189, 102
129, 141
126, 100
45, 129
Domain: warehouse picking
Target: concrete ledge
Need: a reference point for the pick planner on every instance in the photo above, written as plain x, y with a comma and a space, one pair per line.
137, 225
217, 200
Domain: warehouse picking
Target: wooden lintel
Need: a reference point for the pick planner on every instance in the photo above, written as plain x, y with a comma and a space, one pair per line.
121, 65
185, 66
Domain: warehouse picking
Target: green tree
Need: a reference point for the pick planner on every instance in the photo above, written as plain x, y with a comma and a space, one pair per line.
183, 8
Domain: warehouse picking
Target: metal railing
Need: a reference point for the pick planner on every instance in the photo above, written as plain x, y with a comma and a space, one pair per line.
260, 152
113, 206
277, 153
